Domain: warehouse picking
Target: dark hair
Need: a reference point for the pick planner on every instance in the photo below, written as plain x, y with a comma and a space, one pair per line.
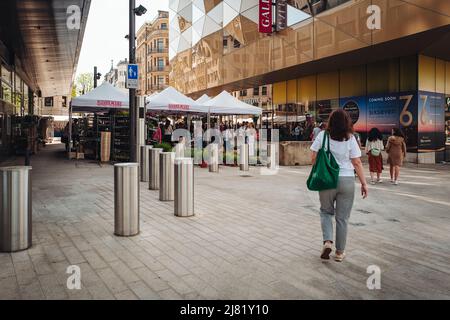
374, 134
398, 133
340, 125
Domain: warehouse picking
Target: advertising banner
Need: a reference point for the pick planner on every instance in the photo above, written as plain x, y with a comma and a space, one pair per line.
265, 16
431, 124
408, 118
356, 107
384, 111
281, 17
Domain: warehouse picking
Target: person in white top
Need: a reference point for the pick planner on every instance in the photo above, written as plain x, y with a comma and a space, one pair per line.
250, 133
338, 202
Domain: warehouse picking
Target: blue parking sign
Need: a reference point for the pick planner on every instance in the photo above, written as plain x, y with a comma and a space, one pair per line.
132, 76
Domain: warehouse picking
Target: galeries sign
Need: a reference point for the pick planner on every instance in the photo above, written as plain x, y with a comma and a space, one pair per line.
265, 16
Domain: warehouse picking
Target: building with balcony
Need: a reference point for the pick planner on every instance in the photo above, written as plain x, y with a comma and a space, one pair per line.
152, 54
112, 75
386, 62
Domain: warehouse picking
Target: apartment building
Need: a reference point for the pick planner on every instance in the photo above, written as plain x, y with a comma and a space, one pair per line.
152, 54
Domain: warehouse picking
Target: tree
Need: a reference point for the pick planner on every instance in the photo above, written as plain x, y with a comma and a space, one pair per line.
74, 91
85, 82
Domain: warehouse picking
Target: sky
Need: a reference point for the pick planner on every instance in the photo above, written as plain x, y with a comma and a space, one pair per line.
104, 37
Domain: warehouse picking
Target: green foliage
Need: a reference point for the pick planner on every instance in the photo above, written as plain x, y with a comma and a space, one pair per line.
85, 81
167, 147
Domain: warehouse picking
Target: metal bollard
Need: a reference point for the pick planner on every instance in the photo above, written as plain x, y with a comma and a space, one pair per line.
15, 208
213, 164
272, 155
166, 176
243, 157
184, 187
143, 165
153, 168
126, 199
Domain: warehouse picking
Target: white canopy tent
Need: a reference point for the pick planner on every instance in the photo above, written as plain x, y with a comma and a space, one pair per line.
226, 104
204, 98
171, 101
104, 98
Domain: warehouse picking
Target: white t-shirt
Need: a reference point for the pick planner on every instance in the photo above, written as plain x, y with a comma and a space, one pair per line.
343, 152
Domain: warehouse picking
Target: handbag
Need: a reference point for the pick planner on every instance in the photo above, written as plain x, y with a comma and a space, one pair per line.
375, 152
325, 171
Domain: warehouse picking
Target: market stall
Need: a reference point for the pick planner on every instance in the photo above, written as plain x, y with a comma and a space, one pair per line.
171, 101
226, 104
102, 133
204, 98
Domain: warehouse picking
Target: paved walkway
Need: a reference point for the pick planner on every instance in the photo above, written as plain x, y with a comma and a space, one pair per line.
254, 237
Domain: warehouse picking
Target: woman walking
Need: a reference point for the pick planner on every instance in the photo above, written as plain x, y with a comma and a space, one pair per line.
396, 149
338, 202
374, 146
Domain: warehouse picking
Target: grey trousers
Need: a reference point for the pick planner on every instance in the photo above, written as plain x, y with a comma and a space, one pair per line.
337, 202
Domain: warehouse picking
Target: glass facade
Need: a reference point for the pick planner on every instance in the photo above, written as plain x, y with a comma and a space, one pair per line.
409, 92
13, 91
215, 43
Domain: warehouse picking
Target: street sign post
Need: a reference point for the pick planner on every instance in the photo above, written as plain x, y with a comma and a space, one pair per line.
132, 76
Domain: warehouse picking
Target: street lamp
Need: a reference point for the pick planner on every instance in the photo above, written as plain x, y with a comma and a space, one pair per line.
139, 11
97, 76
133, 11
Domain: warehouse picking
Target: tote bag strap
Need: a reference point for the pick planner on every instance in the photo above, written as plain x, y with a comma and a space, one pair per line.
326, 138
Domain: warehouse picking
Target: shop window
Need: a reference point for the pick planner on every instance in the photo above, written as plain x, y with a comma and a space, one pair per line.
383, 77
279, 92
307, 92
408, 73
427, 73
352, 82
6, 75
6, 92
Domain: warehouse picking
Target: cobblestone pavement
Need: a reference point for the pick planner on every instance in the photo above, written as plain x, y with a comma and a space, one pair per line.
253, 237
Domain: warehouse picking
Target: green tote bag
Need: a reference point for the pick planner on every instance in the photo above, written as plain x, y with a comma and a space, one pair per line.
325, 172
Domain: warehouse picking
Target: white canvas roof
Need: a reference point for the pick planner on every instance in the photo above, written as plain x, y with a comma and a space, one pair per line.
103, 98
225, 103
172, 101
204, 98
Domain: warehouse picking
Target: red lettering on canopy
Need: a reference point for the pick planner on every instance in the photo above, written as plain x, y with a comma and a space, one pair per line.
109, 103
178, 107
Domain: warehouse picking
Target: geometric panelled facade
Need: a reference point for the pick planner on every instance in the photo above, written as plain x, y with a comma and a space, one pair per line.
215, 45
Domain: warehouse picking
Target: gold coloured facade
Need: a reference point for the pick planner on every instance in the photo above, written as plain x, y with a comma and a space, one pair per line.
215, 45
